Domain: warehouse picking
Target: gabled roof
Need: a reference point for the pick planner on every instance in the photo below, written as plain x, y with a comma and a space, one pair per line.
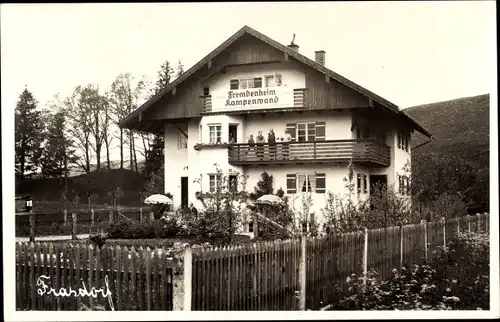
291, 53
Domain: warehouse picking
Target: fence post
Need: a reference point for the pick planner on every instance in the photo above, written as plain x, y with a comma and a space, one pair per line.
111, 216
424, 222
73, 227
365, 256
478, 223
140, 214
65, 216
401, 245
255, 226
443, 220
302, 273
151, 215
92, 216
468, 222
188, 278
458, 225
182, 283
32, 226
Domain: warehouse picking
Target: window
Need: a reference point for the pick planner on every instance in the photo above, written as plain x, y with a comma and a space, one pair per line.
291, 184
273, 80
362, 183
182, 142
233, 182
320, 183
305, 183
244, 83
404, 185
212, 182
215, 132
206, 91
306, 132
403, 140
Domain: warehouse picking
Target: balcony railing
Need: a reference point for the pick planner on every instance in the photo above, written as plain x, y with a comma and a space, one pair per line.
299, 100
366, 151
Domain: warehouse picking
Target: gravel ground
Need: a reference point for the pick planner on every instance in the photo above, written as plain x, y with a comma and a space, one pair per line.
49, 238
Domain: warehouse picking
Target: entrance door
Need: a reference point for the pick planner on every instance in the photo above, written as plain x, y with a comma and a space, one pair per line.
378, 187
184, 192
233, 133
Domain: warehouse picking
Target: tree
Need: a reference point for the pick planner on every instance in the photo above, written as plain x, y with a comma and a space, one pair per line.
180, 69
124, 98
58, 151
79, 106
29, 128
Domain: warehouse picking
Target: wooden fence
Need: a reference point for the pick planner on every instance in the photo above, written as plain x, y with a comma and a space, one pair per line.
138, 279
75, 222
310, 273
295, 274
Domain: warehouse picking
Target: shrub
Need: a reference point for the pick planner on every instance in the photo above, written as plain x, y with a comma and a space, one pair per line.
457, 278
162, 228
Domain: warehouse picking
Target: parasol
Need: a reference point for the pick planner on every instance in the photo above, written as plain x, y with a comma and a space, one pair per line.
270, 200
158, 199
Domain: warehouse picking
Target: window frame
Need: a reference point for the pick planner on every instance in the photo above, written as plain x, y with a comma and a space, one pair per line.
217, 133
182, 141
210, 177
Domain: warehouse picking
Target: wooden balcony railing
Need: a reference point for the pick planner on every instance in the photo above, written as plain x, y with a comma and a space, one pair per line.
299, 100
366, 151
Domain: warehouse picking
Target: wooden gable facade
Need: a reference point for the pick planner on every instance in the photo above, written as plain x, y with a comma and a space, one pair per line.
181, 100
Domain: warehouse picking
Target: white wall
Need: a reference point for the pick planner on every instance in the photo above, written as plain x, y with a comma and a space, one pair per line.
176, 163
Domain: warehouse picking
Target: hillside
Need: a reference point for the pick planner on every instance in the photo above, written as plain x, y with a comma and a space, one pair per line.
102, 184
460, 130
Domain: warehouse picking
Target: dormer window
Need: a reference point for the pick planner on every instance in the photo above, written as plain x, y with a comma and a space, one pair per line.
273, 80
245, 83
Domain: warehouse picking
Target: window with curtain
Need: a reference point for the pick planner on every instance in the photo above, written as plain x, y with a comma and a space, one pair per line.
314, 182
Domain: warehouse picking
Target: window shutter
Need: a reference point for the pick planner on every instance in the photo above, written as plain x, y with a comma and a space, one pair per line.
358, 186
365, 183
257, 82
291, 129
399, 139
291, 184
320, 131
277, 79
234, 84
312, 182
320, 183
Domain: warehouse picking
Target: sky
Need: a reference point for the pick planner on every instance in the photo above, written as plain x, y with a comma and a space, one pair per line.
410, 53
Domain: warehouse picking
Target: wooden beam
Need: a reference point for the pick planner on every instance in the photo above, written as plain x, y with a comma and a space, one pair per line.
180, 130
370, 102
286, 57
327, 79
174, 90
209, 64
140, 116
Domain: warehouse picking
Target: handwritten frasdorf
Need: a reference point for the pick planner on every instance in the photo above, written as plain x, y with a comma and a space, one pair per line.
81, 292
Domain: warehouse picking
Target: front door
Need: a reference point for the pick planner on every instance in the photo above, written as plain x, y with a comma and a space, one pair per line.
378, 187
184, 192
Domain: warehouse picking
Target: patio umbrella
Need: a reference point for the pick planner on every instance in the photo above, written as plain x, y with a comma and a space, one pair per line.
270, 200
158, 199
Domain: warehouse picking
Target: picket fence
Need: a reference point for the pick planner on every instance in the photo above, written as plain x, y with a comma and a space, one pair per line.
295, 274
139, 279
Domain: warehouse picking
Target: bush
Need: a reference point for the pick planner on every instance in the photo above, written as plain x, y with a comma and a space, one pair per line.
162, 228
457, 278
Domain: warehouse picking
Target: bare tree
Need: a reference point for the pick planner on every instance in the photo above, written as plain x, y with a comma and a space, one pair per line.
78, 107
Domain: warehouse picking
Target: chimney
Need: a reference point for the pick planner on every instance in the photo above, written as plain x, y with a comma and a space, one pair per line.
294, 47
319, 57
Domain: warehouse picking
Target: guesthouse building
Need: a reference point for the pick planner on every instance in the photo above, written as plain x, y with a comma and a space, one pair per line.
255, 105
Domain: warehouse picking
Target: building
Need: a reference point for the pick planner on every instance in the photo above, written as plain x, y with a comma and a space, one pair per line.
251, 83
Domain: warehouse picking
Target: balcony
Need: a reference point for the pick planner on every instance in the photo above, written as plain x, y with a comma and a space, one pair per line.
299, 101
366, 151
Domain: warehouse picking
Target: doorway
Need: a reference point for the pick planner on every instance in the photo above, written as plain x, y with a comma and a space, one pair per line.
378, 187
184, 192
233, 133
